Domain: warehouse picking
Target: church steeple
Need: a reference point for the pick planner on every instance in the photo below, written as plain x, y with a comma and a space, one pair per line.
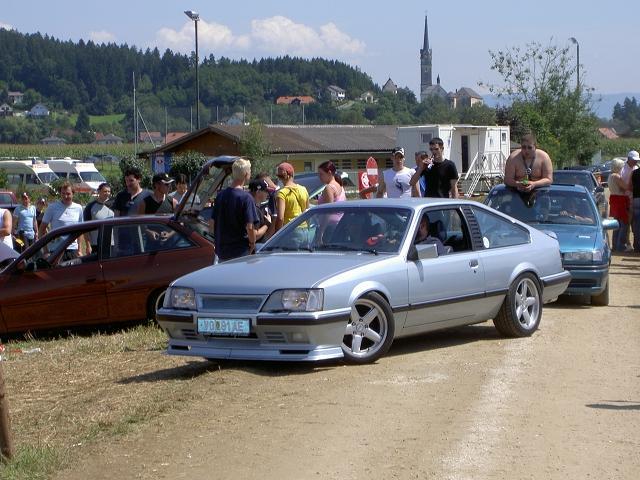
426, 79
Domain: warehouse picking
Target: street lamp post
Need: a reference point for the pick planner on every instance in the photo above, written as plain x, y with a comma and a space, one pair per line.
573, 40
196, 17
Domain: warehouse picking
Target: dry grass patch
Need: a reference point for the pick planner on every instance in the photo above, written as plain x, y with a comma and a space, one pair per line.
78, 390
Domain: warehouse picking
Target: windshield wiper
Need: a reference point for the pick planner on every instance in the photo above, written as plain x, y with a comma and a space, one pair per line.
346, 248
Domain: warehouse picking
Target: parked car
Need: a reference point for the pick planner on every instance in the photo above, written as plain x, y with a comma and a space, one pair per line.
579, 229
343, 280
8, 200
587, 179
124, 280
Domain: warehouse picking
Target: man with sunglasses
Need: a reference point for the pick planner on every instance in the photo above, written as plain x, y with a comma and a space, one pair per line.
528, 167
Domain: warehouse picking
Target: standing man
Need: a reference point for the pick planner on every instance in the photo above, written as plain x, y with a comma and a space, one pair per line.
625, 174
395, 181
529, 167
60, 214
440, 174
127, 201
259, 190
98, 210
234, 216
159, 202
25, 226
182, 184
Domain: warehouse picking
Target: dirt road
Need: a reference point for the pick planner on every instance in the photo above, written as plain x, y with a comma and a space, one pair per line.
462, 404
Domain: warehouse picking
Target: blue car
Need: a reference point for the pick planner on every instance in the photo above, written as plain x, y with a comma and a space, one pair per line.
568, 213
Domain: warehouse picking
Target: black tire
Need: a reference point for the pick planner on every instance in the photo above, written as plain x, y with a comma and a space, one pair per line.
154, 302
369, 333
602, 299
521, 311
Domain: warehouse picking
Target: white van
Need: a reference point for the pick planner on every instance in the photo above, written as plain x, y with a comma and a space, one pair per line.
28, 174
84, 174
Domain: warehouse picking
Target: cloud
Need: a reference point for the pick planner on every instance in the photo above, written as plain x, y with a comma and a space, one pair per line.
275, 35
281, 35
5, 26
211, 37
102, 36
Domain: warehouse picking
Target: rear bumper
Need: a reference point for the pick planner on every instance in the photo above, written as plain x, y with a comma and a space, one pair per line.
555, 285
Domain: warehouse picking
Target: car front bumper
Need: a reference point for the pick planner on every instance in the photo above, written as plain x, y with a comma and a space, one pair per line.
280, 337
587, 280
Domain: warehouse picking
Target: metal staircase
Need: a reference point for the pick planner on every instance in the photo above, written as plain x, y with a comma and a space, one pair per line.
486, 170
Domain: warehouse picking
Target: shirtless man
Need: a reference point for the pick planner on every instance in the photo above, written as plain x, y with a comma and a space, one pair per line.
528, 167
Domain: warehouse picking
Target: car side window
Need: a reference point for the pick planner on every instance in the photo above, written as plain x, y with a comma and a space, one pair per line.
499, 232
448, 226
138, 239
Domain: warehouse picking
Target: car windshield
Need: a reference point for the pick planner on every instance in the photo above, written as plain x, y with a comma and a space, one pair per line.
573, 178
545, 206
47, 177
92, 177
5, 198
344, 229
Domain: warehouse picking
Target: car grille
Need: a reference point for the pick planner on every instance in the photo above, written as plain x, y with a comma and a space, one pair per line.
232, 303
275, 337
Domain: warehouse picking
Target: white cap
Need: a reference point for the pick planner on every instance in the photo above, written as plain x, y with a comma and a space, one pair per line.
633, 155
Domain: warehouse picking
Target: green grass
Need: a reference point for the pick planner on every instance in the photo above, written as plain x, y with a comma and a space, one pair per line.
34, 463
98, 120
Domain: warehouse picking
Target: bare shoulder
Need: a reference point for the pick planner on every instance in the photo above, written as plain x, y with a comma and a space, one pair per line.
544, 155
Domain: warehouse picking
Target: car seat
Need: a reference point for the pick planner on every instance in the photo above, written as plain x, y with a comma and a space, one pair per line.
437, 229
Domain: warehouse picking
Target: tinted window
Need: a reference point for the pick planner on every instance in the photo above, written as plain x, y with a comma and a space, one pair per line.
573, 178
130, 240
499, 232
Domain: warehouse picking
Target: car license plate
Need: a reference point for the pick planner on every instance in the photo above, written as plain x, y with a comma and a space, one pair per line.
224, 326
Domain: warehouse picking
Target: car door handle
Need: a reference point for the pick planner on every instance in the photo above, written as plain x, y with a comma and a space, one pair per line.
473, 263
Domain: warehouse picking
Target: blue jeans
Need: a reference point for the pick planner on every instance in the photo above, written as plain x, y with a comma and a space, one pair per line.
636, 225
620, 237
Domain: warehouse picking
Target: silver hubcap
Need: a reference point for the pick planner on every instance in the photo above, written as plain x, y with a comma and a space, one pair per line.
366, 330
527, 303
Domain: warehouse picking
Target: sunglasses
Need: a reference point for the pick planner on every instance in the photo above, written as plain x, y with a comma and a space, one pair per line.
527, 147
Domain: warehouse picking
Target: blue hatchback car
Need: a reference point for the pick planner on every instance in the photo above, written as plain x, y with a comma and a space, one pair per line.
568, 213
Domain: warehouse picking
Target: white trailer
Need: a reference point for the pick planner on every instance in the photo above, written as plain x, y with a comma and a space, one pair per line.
479, 152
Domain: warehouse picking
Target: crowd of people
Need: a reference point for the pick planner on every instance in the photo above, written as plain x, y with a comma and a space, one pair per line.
251, 210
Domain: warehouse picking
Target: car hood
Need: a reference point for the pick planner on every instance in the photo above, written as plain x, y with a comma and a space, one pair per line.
573, 237
264, 273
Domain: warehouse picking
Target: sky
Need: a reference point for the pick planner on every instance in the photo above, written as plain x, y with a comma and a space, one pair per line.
381, 38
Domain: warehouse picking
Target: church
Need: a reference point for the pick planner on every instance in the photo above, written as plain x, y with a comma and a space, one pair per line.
462, 97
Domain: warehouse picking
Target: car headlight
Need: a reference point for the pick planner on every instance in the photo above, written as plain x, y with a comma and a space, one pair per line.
295, 300
583, 256
182, 298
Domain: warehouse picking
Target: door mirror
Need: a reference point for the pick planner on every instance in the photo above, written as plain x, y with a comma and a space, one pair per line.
423, 252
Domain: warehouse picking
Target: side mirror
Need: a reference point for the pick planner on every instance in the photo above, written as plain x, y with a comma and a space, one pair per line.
422, 252
610, 224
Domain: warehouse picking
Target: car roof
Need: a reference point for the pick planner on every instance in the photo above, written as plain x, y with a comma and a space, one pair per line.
412, 203
553, 187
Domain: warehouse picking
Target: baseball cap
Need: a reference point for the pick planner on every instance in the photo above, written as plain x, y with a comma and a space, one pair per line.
162, 177
258, 185
633, 155
397, 150
287, 167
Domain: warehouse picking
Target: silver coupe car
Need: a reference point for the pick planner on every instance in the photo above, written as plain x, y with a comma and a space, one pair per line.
343, 280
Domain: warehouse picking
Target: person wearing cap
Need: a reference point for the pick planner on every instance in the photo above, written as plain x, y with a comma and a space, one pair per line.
292, 199
159, 202
259, 189
234, 216
440, 174
25, 226
395, 182
127, 201
627, 170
